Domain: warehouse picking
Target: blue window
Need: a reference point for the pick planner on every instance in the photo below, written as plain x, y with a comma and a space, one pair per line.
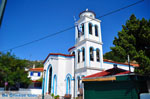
39, 73
31, 73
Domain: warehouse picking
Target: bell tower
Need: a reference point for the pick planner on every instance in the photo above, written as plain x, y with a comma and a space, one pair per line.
88, 43
88, 27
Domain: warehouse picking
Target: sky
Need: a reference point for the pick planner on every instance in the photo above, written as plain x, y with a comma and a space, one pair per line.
28, 20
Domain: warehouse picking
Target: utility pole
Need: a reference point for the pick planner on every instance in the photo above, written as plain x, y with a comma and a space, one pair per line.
129, 63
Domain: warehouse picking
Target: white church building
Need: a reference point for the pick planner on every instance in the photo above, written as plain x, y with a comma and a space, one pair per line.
64, 72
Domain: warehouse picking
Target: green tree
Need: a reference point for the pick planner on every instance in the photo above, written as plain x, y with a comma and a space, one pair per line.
133, 40
12, 70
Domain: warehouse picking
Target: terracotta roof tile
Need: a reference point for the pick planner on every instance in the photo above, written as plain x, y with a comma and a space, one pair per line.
71, 48
112, 71
37, 69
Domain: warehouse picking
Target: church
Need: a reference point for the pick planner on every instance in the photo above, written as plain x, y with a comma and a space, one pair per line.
64, 72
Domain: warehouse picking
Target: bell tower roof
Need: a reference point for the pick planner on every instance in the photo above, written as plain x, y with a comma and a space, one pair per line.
87, 13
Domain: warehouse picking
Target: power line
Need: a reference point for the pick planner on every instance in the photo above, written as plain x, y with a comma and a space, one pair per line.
121, 9
69, 28
40, 39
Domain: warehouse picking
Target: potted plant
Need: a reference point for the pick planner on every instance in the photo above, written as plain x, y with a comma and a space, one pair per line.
52, 95
56, 97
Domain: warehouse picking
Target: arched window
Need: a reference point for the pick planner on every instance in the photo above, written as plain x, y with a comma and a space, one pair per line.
97, 55
91, 54
78, 56
82, 29
90, 28
96, 30
83, 54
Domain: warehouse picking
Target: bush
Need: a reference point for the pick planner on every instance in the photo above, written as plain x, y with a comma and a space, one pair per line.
52, 95
56, 97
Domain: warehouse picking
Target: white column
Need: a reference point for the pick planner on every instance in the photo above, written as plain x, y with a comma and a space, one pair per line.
101, 57
99, 32
80, 57
87, 56
86, 33
93, 29
95, 55
76, 59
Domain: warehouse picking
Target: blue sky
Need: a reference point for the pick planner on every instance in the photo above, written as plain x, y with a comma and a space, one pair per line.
27, 20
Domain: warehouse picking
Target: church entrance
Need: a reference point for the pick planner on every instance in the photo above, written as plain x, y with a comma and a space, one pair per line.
50, 79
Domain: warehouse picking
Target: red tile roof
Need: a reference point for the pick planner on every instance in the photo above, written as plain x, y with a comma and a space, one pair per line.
37, 69
66, 55
106, 60
71, 48
112, 71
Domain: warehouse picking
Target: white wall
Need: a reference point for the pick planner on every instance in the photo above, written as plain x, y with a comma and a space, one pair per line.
35, 75
61, 67
107, 65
